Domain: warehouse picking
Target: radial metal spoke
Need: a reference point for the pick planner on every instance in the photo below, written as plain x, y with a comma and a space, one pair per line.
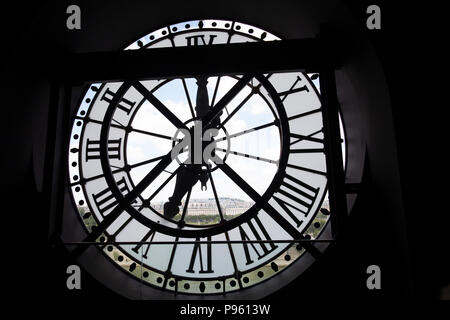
245, 155
128, 198
188, 97
173, 174
138, 164
186, 204
215, 195
248, 131
272, 212
215, 91
226, 99
237, 108
153, 134
159, 105
131, 129
322, 173
309, 137
304, 114
254, 90
118, 123
118, 169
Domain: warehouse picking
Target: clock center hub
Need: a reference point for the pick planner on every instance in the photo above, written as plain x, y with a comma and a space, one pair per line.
200, 147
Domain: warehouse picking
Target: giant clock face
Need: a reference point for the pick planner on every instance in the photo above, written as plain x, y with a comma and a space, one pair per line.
200, 184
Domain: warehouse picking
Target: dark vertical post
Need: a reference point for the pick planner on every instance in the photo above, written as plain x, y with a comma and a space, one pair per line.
56, 155
333, 152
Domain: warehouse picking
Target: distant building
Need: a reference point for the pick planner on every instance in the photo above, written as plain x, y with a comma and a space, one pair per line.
208, 207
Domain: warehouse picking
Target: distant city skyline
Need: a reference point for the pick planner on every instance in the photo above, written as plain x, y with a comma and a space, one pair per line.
196, 207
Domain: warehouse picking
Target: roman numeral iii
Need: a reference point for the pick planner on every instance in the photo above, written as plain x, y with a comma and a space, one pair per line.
93, 149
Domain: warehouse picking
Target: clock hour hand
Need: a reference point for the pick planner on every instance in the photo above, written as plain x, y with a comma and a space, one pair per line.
202, 106
186, 179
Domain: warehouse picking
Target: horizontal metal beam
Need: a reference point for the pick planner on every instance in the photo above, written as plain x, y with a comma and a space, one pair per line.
192, 242
251, 57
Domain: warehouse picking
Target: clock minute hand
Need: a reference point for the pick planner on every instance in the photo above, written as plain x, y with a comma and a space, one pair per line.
188, 175
202, 109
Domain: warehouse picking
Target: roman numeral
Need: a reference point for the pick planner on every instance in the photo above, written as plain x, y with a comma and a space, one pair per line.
204, 268
151, 235
104, 200
303, 196
305, 169
93, 149
261, 249
271, 211
284, 94
296, 138
200, 39
124, 104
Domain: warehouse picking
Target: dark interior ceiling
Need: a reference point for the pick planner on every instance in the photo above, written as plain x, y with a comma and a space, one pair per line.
370, 86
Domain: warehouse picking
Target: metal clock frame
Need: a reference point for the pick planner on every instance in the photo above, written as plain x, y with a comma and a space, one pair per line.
91, 67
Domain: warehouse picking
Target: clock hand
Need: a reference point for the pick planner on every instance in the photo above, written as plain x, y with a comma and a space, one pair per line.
188, 175
186, 179
202, 106
202, 109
